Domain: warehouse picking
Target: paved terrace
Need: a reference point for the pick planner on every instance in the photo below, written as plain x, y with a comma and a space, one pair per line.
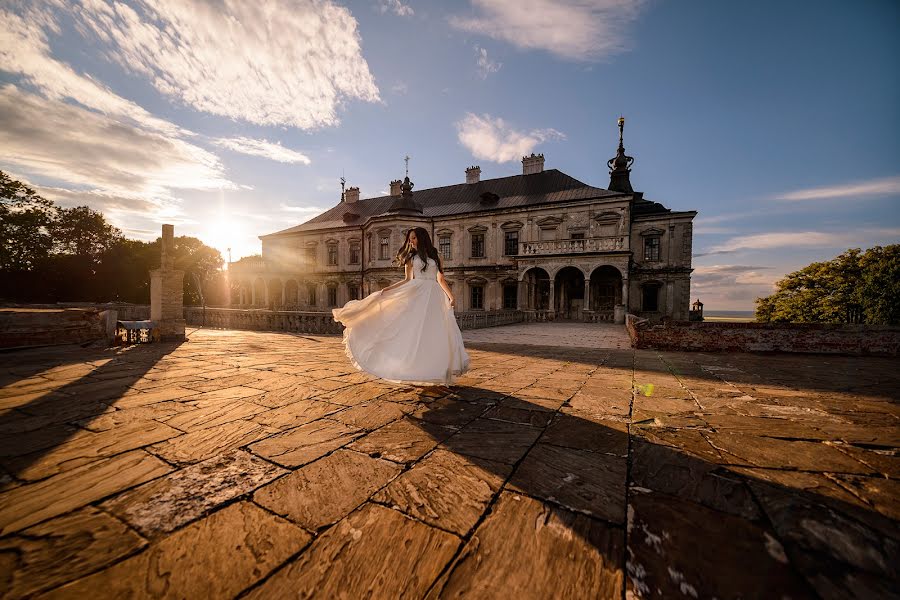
262, 466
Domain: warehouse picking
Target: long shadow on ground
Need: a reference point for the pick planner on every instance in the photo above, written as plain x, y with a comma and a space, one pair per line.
680, 517
35, 423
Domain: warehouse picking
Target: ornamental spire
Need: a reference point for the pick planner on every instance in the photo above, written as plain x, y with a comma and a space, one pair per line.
620, 166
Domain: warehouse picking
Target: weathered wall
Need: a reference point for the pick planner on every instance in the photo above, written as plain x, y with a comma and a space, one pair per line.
765, 337
47, 326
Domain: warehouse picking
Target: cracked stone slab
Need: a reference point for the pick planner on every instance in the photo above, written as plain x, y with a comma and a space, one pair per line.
217, 557
296, 413
304, 444
349, 560
29, 504
679, 549
327, 490
208, 414
370, 415
446, 490
493, 440
61, 550
185, 495
205, 443
85, 447
665, 469
836, 546
573, 430
401, 441
523, 540
577, 479
752, 450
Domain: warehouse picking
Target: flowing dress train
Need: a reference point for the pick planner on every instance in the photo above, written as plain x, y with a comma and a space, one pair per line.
406, 335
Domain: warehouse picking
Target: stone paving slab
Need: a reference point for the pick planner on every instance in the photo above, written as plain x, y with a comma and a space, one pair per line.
563, 465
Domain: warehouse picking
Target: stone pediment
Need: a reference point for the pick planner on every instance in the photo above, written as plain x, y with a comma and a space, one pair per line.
652, 231
509, 225
548, 222
477, 229
608, 218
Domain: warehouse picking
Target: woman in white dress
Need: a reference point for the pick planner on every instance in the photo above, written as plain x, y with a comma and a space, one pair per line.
407, 332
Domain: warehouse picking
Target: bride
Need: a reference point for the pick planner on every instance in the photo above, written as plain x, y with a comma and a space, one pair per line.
407, 332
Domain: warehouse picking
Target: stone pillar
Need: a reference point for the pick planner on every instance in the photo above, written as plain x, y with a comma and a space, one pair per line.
552, 303
283, 295
625, 294
522, 295
167, 291
587, 294
252, 293
266, 292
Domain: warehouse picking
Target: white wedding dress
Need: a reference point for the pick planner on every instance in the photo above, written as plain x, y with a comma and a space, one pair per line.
406, 335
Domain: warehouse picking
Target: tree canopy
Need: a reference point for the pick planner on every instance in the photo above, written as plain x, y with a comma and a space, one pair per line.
853, 287
50, 253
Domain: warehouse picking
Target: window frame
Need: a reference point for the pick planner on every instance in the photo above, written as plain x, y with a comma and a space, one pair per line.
653, 248
506, 242
478, 241
479, 288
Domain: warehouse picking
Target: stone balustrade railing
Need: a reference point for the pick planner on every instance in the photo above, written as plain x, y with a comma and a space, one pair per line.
293, 320
573, 246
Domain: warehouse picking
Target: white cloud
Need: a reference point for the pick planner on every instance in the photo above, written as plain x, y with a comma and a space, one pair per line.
813, 239
264, 148
400, 88
572, 29
490, 138
309, 211
395, 6
284, 62
25, 51
485, 65
876, 187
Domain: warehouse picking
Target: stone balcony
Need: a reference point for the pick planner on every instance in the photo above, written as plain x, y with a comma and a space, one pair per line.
574, 246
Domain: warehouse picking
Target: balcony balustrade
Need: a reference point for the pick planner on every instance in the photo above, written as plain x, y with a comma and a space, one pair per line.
573, 246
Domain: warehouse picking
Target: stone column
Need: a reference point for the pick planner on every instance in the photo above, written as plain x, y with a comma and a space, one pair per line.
522, 295
587, 294
283, 296
625, 294
552, 304
266, 294
252, 293
167, 292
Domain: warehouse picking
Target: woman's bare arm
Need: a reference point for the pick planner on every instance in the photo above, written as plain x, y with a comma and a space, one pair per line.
443, 282
409, 273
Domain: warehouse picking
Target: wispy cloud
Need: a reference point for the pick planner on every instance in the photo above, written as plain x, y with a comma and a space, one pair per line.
811, 239
572, 29
400, 88
485, 65
310, 211
68, 143
490, 138
264, 148
279, 63
395, 6
886, 186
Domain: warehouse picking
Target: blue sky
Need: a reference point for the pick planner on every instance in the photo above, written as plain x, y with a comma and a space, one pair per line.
776, 121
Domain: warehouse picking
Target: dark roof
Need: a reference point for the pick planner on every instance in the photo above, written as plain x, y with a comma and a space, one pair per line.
512, 192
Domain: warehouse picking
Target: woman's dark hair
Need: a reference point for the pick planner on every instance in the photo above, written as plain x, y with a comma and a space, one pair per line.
425, 250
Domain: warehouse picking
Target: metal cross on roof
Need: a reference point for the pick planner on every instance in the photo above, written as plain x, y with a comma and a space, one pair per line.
406, 160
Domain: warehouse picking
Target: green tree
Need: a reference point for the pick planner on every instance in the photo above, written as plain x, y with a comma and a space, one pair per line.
25, 221
852, 286
82, 231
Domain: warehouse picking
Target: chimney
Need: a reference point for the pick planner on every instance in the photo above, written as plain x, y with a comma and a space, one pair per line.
473, 174
532, 164
395, 187
352, 195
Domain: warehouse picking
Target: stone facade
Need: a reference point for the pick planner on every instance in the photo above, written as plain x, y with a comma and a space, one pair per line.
567, 252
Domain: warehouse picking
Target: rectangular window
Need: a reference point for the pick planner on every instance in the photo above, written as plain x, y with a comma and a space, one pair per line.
311, 255
444, 243
511, 243
577, 235
385, 241
353, 291
477, 297
510, 296
354, 254
477, 245
332, 255
332, 296
651, 248
311, 295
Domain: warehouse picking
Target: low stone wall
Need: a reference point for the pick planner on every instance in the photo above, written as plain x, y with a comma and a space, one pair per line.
274, 320
812, 338
26, 326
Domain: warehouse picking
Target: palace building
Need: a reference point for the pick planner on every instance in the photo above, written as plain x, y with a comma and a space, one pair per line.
541, 242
